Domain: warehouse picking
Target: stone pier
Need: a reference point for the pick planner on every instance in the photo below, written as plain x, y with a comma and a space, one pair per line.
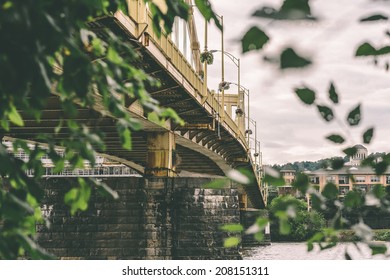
157, 218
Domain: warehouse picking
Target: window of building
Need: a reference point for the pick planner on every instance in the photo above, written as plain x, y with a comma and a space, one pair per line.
375, 179
343, 179
331, 179
343, 190
362, 188
360, 179
387, 179
314, 180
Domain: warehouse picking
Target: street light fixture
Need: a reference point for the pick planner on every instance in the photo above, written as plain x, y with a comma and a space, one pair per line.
249, 132
223, 85
243, 89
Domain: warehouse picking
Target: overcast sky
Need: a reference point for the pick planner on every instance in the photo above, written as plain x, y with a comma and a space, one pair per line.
288, 130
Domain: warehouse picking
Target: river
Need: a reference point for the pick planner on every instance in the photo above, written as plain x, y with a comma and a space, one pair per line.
298, 251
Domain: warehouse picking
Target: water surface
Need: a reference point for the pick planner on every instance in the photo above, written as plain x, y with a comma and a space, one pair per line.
298, 251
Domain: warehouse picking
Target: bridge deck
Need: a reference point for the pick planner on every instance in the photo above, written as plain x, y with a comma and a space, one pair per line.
206, 144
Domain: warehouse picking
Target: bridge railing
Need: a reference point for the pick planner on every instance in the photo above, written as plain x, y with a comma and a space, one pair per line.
143, 23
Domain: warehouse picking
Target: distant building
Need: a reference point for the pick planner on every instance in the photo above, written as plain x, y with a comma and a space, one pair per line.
288, 173
360, 155
351, 176
348, 178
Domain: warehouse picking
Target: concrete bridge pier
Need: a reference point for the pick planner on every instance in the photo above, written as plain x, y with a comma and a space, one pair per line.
160, 159
154, 218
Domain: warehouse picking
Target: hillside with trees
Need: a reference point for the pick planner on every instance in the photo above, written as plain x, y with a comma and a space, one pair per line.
301, 166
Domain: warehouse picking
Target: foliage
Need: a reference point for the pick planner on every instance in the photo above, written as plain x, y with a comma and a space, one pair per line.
207, 57
301, 166
50, 49
351, 211
303, 224
347, 212
254, 39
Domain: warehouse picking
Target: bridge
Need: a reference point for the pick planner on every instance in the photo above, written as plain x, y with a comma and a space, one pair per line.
163, 210
210, 142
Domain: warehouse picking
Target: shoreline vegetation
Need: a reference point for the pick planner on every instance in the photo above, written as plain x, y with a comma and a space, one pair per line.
348, 236
378, 235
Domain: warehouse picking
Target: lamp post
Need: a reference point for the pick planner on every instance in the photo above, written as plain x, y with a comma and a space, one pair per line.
258, 157
236, 62
245, 91
249, 132
223, 69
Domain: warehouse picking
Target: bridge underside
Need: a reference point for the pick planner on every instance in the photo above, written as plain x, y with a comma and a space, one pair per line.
203, 145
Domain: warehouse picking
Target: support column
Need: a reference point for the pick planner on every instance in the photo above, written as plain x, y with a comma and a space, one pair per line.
241, 105
243, 201
160, 158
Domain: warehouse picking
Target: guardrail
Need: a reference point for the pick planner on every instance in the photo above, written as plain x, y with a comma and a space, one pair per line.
142, 22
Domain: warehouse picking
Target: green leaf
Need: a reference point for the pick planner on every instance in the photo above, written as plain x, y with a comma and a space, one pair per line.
350, 151
262, 222
375, 17
290, 10
259, 236
267, 12
7, 5
381, 167
274, 181
310, 246
333, 96
301, 182
254, 39
353, 199
354, 116
363, 231
335, 138
125, 136
367, 135
33, 249
326, 112
206, 10
77, 198
337, 163
232, 228
105, 189
14, 116
238, 177
330, 191
377, 249
365, 49
306, 95
231, 242
383, 51
170, 113
284, 227
347, 256
290, 59
113, 56
378, 191
296, 7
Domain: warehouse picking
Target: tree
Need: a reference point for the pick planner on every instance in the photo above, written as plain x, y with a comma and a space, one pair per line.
327, 200
300, 224
48, 48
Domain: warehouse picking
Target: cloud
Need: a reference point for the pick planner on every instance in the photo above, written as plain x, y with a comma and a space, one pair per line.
289, 130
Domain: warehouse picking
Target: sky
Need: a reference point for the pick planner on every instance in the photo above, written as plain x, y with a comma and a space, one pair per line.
289, 130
